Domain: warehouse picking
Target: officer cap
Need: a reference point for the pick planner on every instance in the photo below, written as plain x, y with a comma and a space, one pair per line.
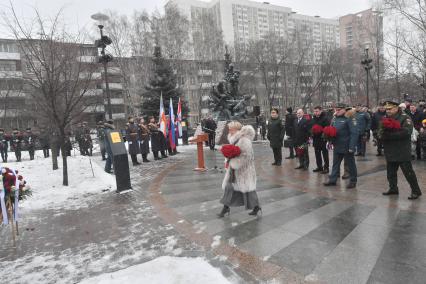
391, 104
100, 122
341, 105
28, 129
110, 121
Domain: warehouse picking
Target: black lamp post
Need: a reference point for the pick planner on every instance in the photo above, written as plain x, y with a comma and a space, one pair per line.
423, 85
367, 63
104, 58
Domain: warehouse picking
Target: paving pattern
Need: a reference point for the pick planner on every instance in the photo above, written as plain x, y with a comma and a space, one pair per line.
317, 234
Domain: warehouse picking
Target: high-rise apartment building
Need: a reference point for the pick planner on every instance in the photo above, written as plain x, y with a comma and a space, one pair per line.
242, 21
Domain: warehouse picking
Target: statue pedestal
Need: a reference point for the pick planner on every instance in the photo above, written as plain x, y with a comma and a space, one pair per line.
200, 139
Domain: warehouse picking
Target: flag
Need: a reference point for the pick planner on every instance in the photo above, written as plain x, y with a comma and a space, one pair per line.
162, 117
179, 118
172, 131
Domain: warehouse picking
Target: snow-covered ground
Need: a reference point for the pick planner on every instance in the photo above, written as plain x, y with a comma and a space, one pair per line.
46, 184
165, 269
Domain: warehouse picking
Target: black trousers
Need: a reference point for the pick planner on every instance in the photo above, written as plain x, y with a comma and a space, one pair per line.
407, 170
349, 162
379, 146
304, 159
278, 155
321, 153
134, 158
291, 149
46, 153
18, 155
31, 152
4, 155
212, 140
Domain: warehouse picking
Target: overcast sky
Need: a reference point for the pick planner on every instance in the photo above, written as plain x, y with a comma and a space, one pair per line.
78, 11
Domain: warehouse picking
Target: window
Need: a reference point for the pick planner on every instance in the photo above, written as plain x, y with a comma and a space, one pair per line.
7, 66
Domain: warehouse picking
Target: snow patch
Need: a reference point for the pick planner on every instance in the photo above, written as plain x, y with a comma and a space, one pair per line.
216, 241
166, 269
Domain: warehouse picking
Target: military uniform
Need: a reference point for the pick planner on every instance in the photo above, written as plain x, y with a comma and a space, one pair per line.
344, 148
144, 141
100, 133
4, 143
16, 144
397, 147
132, 137
29, 141
363, 120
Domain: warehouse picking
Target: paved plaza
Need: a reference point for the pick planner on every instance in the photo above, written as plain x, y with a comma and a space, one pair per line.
306, 234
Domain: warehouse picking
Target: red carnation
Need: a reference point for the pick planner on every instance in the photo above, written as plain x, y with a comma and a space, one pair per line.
230, 151
300, 151
317, 129
391, 124
330, 131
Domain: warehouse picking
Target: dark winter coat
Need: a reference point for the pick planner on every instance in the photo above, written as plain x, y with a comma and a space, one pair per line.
276, 133
417, 118
108, 128
144, 139
397, 143
16, 142
377, 118
210, 126
347, 133
363, 122
289, 124
100, 133
301, 132
156, 140
322, 120
132, 137
4, 140
29, 140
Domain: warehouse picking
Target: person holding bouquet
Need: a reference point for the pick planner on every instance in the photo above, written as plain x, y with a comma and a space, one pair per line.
343, 134
395, 131
239, 183
319, 122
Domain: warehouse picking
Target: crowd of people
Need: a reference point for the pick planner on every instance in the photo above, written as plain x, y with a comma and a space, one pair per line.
353, 127
17, 142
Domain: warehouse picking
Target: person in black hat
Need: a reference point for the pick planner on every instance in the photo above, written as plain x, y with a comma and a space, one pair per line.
344, 145
289, 130
108, 127
397, 147
29, 141
276, 136
16, 143
4, 144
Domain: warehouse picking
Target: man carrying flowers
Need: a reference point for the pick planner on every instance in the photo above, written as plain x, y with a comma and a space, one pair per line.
395, 131
343, 127
319, 122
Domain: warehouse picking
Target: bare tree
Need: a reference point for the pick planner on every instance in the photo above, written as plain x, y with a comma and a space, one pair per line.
57, 72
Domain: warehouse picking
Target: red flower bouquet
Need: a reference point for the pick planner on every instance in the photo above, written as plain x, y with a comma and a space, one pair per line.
230, 151
391, 124
300, 151
330, 132
317, 129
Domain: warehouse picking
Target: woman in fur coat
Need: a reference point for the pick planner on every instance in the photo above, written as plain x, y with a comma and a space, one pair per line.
239, 183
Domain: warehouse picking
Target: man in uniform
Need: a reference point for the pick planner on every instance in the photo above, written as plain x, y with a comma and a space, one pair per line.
210, 128
29, 140
79, 134
101, 138
397, 147
320, 144
3, 145
132, 137
363, 121
108, 128
344, 145
16, 143
375, 122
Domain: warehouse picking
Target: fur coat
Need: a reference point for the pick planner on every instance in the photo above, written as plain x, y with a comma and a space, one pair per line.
243, 165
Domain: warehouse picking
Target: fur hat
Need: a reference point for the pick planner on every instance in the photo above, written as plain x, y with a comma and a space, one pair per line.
290, 109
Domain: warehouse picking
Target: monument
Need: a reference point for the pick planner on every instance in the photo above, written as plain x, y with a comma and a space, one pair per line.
226, 103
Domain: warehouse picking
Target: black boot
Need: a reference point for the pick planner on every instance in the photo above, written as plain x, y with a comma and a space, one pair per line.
317, 170
225, 210
256, 210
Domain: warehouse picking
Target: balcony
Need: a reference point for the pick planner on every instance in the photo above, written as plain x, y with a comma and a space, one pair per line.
11, 94
113, 86
206, 85
87, 59
94, 109
10, 74
92, 76
11, 113
118, 116
93, 92
205, 72
115, 102
113, 70
10, 56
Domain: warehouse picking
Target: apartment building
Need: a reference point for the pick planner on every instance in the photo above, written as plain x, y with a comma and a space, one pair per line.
17, 108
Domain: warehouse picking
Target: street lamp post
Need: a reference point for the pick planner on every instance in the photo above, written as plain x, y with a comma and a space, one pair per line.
366, 62
102, 43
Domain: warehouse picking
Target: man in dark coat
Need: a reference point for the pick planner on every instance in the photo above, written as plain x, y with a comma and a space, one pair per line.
100, 133
363, 121
4, 144
344, 145
144, 139
16, 143
397, 146
156, 139
132, 137
289, 130
29, 141
276, 136
375, 122
45, 142
301, 138
416, 117
210, 128
319, 143
108, 128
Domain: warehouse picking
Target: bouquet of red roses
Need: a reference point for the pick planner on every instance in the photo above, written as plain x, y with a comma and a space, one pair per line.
391, 123
330, 132
317, 129
300, 150
230, 151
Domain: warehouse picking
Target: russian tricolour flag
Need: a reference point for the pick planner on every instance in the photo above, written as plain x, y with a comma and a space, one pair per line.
172, 131
162, 118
